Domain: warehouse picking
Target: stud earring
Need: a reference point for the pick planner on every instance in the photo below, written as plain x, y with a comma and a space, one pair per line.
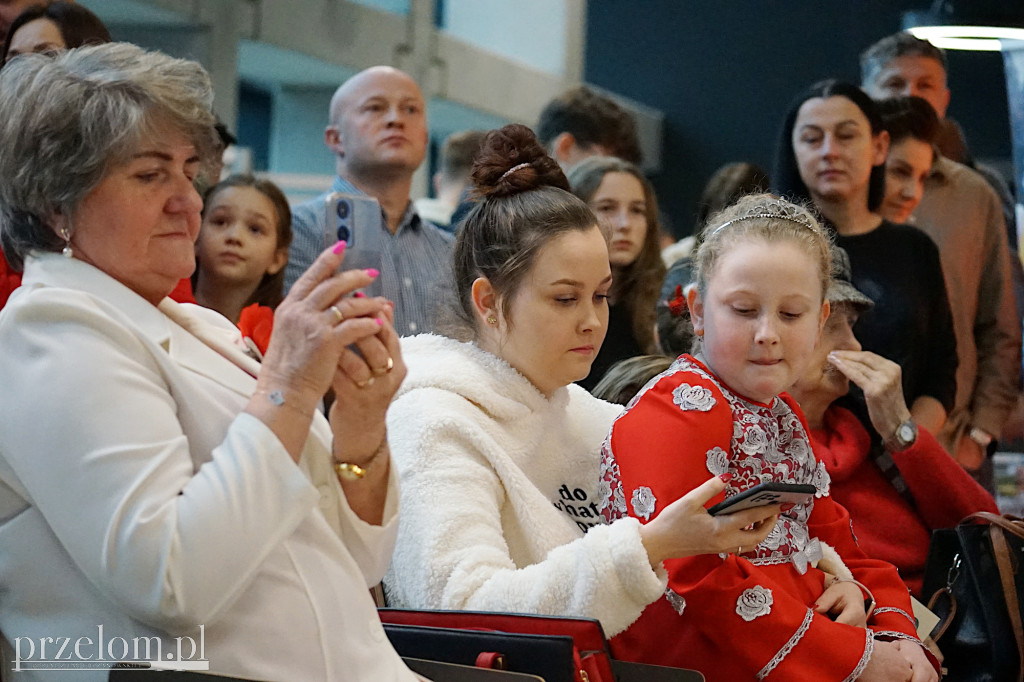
65, 232
491, 319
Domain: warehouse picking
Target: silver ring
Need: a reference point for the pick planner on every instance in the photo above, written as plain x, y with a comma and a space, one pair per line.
337, 313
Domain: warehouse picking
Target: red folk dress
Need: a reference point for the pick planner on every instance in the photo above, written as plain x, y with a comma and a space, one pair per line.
749, 616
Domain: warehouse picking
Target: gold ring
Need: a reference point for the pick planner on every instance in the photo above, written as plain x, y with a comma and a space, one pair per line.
364, 384
337, 313
382, 371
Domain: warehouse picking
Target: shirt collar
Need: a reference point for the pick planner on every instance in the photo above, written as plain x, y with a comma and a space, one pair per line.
410, 219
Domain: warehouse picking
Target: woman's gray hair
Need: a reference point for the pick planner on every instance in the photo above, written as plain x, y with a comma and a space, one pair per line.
67, 119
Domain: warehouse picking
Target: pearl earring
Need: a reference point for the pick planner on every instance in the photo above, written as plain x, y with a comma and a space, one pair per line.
65, 232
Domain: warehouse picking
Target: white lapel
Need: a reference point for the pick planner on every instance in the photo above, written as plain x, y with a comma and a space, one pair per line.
204, 349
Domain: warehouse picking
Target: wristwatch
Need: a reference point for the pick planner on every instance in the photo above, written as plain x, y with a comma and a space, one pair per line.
980, 436
903, 438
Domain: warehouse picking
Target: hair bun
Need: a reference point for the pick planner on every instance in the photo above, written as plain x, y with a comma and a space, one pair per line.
511, 160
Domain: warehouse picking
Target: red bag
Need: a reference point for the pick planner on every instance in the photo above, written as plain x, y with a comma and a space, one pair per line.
590, 653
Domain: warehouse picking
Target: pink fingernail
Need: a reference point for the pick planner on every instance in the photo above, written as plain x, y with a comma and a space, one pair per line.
359, 294
380, 322
372, 272
340, 247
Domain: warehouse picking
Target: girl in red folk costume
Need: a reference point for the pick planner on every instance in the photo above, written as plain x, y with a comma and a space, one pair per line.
241, 253
758, 307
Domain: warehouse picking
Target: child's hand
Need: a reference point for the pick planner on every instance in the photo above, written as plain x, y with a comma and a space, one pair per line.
914, 653
684, 528
843, 602
887, 664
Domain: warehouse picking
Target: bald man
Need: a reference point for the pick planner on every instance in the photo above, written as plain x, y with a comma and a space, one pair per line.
377, 131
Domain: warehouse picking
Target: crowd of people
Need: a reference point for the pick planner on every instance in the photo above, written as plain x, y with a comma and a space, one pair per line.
509, 398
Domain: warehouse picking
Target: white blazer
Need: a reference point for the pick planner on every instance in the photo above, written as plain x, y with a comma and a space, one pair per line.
136, 495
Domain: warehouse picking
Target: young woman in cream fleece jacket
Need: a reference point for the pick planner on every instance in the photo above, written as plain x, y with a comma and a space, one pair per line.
498, 453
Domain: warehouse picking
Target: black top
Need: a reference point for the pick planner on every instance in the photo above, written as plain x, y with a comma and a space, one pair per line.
898, 267
619, 344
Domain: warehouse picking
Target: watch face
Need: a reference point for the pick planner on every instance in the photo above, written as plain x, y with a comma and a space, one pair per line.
905, 433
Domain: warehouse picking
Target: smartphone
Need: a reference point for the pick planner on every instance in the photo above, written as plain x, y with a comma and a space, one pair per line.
765, 493
350, 217
356, 218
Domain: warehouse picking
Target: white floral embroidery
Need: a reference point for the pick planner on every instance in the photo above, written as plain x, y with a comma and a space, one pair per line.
619, 501
604, 490
676, 600
776, 537
718, 461
755, 441
798, 450
689, 397
821, 480
754, 602
643, 502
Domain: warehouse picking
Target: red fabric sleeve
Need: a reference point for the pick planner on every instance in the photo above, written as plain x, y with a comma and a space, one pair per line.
943, 492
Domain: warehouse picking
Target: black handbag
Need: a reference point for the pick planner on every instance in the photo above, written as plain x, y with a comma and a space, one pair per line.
975, 576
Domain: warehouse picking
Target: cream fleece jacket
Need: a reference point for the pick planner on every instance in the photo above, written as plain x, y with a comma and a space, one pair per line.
499, 485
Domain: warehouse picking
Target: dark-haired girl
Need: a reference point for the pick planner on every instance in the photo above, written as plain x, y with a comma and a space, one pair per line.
832, 151
241, 253
498, 450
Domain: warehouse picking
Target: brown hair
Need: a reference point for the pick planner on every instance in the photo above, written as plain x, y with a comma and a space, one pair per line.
270, 290
638, 284
767, 218
525, 203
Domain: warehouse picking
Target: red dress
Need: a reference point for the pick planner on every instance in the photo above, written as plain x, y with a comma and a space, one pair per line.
749, 616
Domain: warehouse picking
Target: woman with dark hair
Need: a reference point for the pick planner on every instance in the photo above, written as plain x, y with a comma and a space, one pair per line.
53, 26
498, 450
623, 200
832, 152
913, 128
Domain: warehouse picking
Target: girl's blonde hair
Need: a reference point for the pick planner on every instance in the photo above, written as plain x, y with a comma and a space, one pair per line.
767, 218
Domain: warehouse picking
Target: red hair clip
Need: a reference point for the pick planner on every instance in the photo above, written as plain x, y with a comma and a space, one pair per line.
677, 304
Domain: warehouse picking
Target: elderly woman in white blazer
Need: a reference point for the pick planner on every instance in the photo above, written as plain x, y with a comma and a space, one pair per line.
155, 481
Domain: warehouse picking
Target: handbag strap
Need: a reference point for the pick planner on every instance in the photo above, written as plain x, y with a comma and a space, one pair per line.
1001, 550
1008, 522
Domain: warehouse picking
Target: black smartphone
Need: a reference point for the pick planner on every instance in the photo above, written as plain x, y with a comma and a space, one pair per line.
765, 493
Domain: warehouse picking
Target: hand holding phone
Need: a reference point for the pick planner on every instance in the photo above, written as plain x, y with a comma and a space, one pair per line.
765, 493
